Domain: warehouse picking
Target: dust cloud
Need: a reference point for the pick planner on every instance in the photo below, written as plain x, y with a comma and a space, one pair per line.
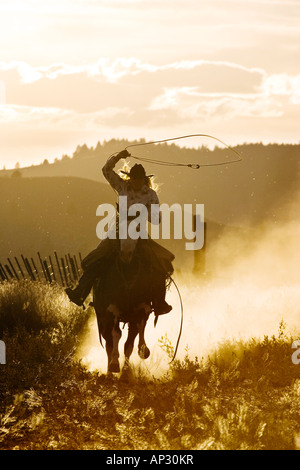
252, 283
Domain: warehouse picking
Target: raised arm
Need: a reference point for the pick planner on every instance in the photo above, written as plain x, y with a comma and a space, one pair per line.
108, 171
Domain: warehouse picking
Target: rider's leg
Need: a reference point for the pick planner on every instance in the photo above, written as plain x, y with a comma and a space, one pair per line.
85, 284
159, 292
93, 266
82, 290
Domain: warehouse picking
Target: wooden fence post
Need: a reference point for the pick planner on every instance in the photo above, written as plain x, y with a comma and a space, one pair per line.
36, 271
13, 269
59, 270
67, 267
44, 272
51, 264
64, 271
20, 269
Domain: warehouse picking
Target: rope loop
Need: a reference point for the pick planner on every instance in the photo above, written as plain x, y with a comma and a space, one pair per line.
194, 166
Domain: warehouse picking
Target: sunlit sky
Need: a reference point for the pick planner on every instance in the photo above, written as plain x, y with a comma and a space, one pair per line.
83, 71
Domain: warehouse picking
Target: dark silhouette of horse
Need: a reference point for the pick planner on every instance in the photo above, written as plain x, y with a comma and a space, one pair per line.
123, 295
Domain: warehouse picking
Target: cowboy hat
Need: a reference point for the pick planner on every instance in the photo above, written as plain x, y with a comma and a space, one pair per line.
137, 171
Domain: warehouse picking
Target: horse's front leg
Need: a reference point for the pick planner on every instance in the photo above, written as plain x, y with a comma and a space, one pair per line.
114, 365
128, 347
113, 353
143, 350
137, 327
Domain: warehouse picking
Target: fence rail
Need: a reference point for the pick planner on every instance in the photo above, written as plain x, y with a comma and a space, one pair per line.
64, 270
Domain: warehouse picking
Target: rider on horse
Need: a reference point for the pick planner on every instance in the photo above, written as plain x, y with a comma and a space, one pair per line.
137, 189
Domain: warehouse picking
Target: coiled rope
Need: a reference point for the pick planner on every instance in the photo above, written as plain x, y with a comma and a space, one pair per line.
181, 321
194, 166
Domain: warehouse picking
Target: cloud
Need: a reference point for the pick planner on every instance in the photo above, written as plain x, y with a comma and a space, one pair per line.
114, 70
128, 87
282, 85
58, 105
123, 83
27, 73
265, 95
43, 117
189, 104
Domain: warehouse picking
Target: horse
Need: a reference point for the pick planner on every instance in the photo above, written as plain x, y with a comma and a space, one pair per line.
123, 295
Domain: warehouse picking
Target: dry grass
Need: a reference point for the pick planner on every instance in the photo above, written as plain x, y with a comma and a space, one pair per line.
245, 396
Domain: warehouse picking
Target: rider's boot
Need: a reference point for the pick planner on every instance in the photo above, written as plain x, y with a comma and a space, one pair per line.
82, 290
160, 306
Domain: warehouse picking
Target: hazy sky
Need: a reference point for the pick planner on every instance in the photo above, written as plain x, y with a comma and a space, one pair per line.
75, 71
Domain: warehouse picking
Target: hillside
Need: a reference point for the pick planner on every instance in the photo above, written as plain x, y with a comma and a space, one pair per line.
44, 214
53, 206
59, 213
241, 193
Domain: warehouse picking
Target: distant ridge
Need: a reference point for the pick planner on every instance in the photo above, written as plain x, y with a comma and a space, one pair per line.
53, 206
59, 214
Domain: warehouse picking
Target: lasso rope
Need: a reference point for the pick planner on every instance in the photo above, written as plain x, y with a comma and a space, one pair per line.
181, 321
194, 166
